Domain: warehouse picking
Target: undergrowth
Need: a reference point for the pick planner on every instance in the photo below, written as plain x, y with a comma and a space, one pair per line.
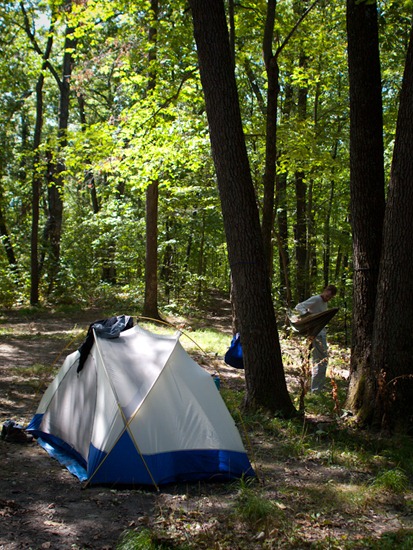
319, 480
317, 485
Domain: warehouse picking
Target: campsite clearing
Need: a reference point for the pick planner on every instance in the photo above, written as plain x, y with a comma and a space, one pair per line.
318, 499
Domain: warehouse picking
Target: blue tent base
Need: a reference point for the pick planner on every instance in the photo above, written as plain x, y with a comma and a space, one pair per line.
64, 458
164, 468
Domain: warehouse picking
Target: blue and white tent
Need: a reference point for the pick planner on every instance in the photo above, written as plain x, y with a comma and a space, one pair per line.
140, 411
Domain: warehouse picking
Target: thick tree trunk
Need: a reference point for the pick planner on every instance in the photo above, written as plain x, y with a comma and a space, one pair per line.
264, 375
393, 335
367, 189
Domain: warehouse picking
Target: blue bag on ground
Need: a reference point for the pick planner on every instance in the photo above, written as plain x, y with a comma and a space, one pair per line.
233, 357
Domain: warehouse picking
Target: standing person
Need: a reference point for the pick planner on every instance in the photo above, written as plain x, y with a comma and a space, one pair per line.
317, 304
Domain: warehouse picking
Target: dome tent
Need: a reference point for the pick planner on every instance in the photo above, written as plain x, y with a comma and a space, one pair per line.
140, 411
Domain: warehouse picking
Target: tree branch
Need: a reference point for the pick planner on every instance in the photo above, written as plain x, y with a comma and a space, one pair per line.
292, 31
45, 56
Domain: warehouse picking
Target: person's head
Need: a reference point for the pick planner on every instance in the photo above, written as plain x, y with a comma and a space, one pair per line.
329, 292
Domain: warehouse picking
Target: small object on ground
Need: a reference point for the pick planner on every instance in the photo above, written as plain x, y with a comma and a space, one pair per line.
15, 433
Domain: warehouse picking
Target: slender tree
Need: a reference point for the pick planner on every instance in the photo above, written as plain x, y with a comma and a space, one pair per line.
265, 381
271, 60
53, 228
36, 173
150, 308
273, 89
52, 232
5, 238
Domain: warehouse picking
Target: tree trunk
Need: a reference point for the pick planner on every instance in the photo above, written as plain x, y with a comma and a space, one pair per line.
301, 228
393, 336
282, 212
53, 229
35, 268
301, 237
327, 236
150, 308
89, 177
6, 241
167, 263
366, 189
271, 66
282, 238
36, 191
264, 375
201, 260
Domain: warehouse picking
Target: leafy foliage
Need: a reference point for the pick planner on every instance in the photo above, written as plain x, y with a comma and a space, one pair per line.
122, 136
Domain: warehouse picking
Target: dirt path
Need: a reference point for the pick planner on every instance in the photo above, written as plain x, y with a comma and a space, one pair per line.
43, 506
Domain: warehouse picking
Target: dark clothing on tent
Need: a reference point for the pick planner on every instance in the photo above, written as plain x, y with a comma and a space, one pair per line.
107, 328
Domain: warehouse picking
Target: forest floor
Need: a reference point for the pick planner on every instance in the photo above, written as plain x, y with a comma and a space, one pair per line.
43, 506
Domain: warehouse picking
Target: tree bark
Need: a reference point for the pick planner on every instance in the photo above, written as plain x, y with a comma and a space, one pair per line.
150, 308
5, 238
282, 213
36, 192
264, 375
35, 268
303, 213
273, 88
393, 335
366, 190
53, 229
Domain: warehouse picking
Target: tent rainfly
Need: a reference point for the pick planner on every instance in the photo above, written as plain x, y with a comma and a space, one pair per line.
140, 411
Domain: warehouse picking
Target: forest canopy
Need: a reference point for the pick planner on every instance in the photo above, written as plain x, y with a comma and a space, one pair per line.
101, 100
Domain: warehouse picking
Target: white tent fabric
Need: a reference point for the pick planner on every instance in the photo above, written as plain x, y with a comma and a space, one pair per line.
140, 411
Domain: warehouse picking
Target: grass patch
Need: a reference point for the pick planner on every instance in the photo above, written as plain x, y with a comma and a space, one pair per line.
400, 540
204, 340
254, 508
145, 539
211, 341
394, 480
37, 370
